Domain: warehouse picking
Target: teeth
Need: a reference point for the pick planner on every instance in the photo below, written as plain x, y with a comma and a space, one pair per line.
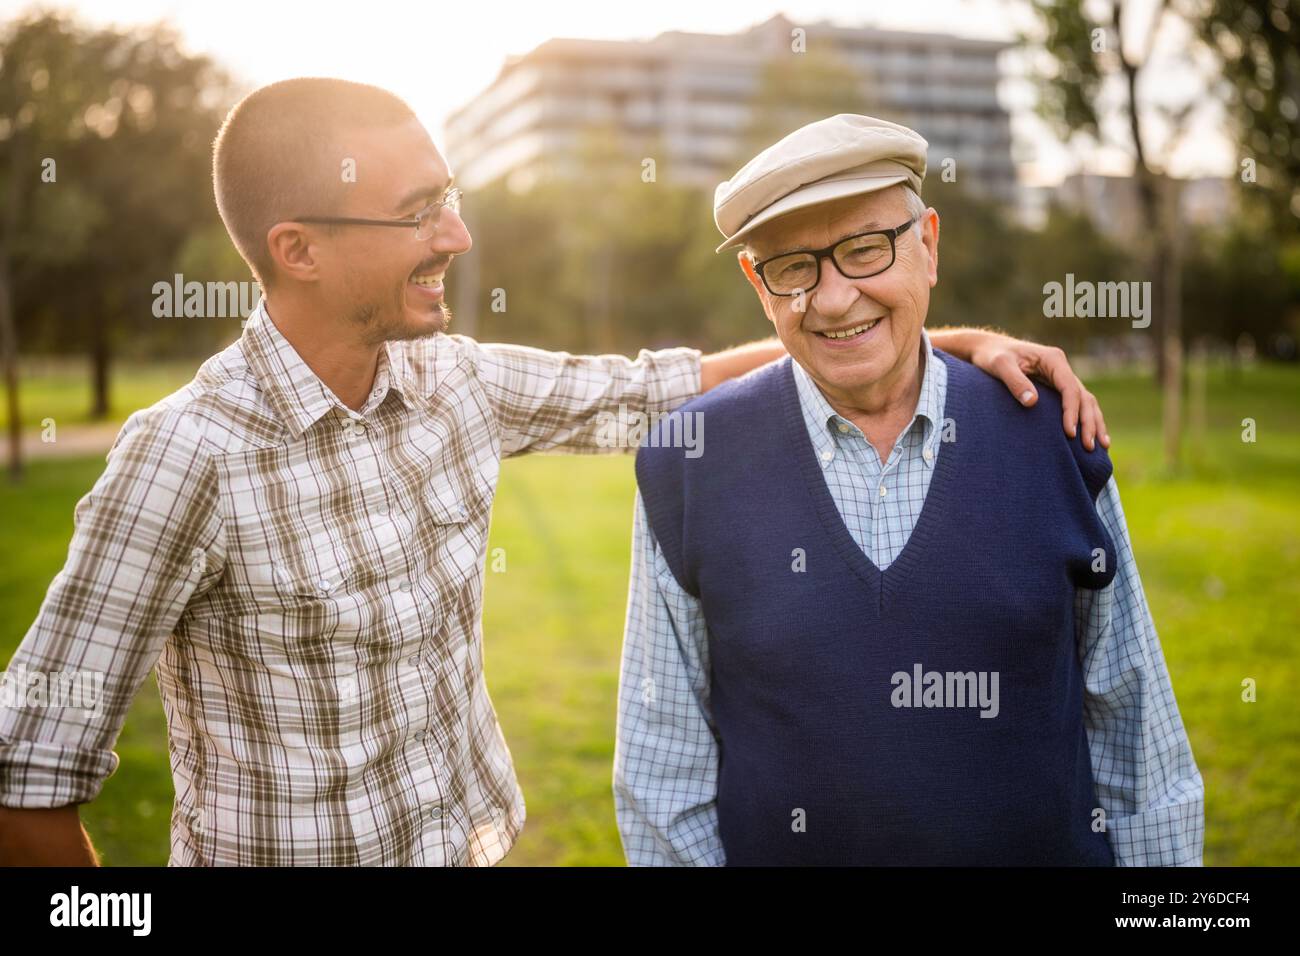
430, 279
849, 333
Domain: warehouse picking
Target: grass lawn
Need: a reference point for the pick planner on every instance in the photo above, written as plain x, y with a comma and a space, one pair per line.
60, 389
1219, 549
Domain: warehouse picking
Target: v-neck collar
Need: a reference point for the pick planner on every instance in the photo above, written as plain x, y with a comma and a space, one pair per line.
933, 511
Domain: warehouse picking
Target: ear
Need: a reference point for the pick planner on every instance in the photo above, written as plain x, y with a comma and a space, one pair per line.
747, 267
760, 290
291, 249
930, 239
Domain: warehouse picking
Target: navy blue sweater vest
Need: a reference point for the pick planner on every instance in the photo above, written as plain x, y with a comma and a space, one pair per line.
838, 745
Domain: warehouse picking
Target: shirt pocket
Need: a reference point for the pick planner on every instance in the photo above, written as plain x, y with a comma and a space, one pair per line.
303, 584
456, 515
298, 599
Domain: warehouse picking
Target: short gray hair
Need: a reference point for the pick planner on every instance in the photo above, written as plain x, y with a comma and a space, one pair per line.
915, 205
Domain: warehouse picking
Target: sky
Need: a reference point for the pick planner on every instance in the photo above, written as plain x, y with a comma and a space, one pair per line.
437, 57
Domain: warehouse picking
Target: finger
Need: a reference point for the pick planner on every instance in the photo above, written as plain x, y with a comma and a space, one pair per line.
1055, 367
1088, 420
1070, 395
1100, 421
1007, 369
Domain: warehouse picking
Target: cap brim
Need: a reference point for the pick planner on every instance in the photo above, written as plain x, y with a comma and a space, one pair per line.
811, 195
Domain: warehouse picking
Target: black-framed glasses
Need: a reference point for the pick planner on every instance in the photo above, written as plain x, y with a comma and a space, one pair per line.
425, 221
856, 257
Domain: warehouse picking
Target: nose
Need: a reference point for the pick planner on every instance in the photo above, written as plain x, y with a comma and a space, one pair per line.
452, 235
834, 295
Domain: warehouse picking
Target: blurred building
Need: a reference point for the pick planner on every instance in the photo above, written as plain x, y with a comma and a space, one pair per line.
688, 95
1113, 205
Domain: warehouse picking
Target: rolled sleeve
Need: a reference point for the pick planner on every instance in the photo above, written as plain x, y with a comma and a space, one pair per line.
146, 537
1146, 779
556, 401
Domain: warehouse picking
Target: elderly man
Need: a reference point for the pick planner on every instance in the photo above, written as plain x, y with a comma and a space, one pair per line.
888, 616
297, 538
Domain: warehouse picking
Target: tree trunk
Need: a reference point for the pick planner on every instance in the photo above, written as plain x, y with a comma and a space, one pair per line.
99, 359
9, 359
1171, 330
8, 325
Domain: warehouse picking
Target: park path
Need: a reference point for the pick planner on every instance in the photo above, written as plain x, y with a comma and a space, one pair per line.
71, 441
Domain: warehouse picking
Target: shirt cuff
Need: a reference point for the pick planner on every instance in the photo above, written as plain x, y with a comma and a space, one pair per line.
1170, 835
40, 776
672, 377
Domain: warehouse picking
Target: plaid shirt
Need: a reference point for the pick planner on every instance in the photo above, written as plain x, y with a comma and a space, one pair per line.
308, 580
666, 755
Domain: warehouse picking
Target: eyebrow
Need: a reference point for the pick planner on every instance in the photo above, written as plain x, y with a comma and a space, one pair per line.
421, 192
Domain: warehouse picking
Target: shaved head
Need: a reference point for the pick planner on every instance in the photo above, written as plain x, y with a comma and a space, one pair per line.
280, 155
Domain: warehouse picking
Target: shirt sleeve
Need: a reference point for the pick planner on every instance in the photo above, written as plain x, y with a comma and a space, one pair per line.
666, 749
579, 403
1146, 780
146, 537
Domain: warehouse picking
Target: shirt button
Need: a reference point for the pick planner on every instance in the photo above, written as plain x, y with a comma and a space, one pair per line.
927, 455
419, 737
382, 510
281, 575
435, 813
414, 660
464, 512
405, 586
325, 586
827, 455
844, 429
882, 491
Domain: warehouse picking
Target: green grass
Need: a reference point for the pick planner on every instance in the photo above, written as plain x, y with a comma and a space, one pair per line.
60, 389
1219, 548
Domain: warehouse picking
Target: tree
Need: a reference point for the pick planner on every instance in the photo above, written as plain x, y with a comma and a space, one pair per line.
105, 166
1099, 50
1257, 43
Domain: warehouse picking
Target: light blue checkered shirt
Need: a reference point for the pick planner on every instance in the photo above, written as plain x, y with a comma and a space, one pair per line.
666, 753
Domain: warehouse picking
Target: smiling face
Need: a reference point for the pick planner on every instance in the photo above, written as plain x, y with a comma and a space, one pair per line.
385, 282
859, 339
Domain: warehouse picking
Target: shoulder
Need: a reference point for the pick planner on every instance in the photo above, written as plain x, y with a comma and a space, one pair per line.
427, 361
732, 420
738, 396
195, 416
1037, 431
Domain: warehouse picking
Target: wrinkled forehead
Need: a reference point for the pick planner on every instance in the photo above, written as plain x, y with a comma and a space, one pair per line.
825, 223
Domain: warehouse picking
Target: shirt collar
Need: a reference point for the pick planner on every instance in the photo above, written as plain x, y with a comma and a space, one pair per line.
394, 374
295, 393
823, 421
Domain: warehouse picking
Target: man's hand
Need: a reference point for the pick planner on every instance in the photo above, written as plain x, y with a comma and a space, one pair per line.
1012, 361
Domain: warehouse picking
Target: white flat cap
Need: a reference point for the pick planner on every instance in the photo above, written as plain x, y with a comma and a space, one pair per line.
843, 155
